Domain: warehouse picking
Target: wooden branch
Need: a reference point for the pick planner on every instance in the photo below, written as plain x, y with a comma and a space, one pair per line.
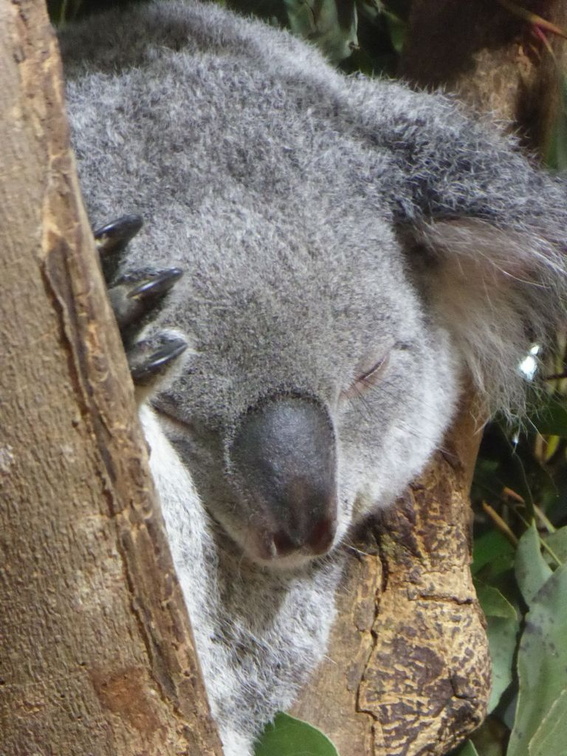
96, 652
408, 670
493, 60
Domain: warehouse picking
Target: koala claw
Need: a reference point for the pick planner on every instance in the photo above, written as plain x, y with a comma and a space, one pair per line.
114, 236
156, 285
149, 358
112, 239
134, 298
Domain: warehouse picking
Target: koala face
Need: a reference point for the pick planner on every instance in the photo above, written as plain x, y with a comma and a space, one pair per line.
316, 391
348, 247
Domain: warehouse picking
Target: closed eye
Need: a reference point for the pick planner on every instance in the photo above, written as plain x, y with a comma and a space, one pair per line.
367, 379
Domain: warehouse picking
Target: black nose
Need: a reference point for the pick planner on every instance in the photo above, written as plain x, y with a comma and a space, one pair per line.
284, 457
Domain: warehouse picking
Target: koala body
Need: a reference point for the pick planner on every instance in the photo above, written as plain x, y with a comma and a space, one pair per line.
351, 249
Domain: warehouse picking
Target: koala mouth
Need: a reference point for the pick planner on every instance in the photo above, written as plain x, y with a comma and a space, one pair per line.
285, 545
267, 543
278, 550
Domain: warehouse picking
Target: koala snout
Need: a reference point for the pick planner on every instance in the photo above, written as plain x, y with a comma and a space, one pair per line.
283, 458
316, 541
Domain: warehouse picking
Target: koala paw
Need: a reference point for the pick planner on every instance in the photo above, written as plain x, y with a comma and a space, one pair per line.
136, 300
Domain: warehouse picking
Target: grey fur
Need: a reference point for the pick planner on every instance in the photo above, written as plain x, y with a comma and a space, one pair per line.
326, 224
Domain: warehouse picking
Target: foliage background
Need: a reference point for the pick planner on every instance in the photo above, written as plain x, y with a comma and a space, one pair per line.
519, 492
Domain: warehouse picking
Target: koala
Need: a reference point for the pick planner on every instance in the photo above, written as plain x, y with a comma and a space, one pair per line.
351, 251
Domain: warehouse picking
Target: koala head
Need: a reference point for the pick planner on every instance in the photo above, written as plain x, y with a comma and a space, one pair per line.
350, 247
317, 386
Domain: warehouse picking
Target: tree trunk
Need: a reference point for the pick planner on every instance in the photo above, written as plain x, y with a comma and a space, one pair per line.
96, 652
408, 670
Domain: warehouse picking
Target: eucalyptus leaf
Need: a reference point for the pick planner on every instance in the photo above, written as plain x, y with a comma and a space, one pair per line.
551, 736
557, 542
398, 31
492, 550
550, 418
557, 151
542, 664
288, 736
330, 24
503, 642
502, 631
532, 571
493, 603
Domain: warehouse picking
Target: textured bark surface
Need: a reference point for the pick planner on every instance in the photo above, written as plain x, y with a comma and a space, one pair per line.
96, 654
408, 670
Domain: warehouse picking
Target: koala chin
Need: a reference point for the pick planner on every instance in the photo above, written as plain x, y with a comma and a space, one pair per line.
323, 258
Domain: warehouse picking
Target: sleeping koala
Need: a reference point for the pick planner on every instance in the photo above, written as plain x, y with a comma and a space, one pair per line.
351, 250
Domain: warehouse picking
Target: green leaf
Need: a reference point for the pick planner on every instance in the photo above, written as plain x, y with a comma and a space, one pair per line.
331, 25
557, 542
551, 736
493, 603
542, 661
397, 29
493, 549
557, 151
503, 642
288, 736
550, 418
502, 630
532, 571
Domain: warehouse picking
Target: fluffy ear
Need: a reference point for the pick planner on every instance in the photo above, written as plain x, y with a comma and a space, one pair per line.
498, 291
485, 227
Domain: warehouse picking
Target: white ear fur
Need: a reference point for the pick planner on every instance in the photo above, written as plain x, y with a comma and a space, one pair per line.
496, 290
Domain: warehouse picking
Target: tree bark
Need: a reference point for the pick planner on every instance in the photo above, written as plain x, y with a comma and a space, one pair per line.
96, 652
408, 669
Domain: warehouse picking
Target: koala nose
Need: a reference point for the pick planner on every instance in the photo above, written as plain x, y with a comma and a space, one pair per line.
284, 457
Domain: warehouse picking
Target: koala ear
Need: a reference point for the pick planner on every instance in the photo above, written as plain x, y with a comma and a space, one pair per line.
498, 291
485, 229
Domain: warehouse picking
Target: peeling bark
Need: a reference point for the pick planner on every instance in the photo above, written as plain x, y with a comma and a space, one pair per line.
96, 652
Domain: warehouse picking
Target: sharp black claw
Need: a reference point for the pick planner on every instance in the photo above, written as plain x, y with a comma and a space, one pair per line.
136, 299
157, 285
133, 299
146, 361
114, 236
